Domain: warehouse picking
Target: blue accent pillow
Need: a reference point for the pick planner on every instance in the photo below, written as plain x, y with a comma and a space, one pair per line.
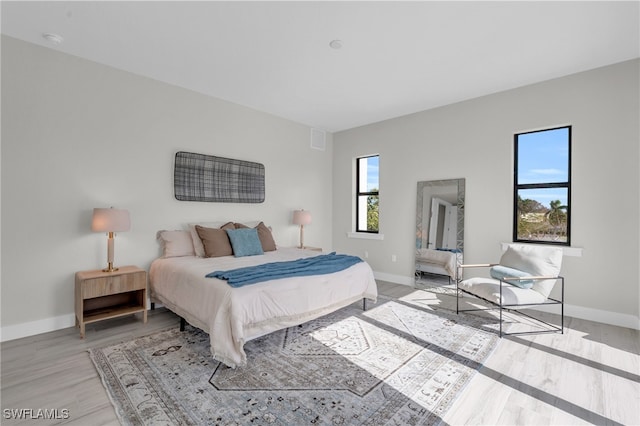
500, 272
245, 242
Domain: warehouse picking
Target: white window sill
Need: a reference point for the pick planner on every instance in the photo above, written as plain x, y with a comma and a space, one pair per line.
365, 236
566, 251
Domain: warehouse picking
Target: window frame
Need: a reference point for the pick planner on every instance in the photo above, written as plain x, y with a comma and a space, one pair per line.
543, 185
365, 193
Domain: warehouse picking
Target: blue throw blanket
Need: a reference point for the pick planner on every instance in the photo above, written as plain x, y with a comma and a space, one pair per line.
317, 265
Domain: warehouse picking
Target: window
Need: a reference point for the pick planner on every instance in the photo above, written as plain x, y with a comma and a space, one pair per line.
542, 186
367, 197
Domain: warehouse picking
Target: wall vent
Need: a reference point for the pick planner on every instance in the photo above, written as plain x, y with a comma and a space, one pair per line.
318, 139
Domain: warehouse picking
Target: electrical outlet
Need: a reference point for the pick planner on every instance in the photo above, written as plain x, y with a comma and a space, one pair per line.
393, 258
366, 254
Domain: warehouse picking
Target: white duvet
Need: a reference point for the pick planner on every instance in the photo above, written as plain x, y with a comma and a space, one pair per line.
233, 316
443, 259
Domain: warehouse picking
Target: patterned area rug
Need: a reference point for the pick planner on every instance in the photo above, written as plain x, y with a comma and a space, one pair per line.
397, 363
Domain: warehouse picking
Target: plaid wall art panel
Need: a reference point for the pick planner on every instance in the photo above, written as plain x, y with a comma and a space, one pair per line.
199, 177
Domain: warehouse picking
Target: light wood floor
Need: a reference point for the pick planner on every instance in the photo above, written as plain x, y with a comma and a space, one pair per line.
589, 375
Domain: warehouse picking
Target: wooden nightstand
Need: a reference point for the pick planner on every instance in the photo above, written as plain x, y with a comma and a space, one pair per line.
101, 295
311, 248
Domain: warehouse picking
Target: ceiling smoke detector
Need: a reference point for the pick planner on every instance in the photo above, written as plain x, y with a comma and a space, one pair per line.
335, 44
53, 38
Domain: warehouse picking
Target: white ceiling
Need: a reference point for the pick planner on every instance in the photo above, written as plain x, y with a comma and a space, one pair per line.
397, 57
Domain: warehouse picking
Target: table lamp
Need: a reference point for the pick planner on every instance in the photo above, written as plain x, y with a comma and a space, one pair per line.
110, 221
301, 217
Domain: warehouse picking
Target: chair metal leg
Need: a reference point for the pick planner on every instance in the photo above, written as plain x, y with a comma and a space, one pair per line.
457, 298
561, 305
501, 308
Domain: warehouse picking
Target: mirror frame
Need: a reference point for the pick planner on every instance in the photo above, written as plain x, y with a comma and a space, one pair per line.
460, 204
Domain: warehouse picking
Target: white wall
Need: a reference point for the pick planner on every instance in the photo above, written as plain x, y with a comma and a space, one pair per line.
474, 140
78, 135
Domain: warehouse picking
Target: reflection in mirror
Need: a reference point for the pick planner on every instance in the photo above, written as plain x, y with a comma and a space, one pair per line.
439, 230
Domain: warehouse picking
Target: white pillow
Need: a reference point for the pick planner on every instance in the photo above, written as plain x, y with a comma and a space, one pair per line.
536, 260
196, 241
176, 243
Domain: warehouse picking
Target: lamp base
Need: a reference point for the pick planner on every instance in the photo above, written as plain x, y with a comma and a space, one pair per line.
301, 246
110, 268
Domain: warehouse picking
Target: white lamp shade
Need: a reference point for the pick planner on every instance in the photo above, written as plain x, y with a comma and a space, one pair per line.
110, 220
301, 217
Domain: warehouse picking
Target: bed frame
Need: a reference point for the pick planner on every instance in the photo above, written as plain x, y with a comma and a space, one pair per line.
183, 322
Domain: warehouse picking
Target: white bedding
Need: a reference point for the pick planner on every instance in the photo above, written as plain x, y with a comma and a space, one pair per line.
233, 316
438, 261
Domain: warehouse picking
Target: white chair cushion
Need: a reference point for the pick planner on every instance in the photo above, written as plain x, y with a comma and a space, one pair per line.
537, 260
489, 289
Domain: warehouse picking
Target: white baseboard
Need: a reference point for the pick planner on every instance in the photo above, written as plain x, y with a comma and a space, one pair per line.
596, 315
17, 331
25, 329
590, 314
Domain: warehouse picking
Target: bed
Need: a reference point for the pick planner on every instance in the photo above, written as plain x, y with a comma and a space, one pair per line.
233, 316
440, 262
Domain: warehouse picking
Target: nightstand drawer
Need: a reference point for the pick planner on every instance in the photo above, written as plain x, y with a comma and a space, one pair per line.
103, 286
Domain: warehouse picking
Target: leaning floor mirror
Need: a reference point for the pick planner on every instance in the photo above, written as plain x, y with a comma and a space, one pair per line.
439, 230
